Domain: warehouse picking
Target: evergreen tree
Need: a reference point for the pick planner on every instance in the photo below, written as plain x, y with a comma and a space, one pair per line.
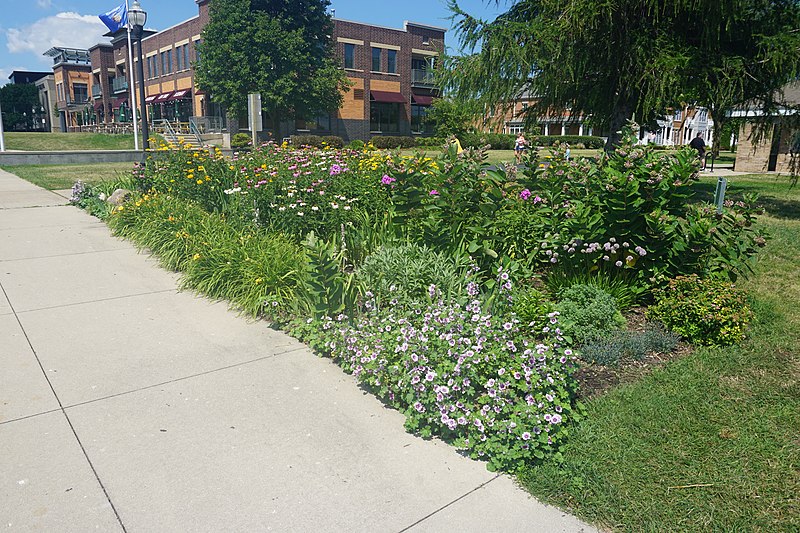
279, 48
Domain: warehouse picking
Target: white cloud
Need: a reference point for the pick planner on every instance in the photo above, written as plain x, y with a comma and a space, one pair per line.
44, 4
66, 29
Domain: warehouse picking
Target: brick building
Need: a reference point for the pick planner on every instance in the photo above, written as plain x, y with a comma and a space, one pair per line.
72, 78
773, 150
391, 75
390, 71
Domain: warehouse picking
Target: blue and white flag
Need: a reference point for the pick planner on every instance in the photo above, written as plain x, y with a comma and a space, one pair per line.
116, 18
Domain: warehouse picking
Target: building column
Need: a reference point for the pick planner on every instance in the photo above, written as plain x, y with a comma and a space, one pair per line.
563, 128
547, 128
580, 129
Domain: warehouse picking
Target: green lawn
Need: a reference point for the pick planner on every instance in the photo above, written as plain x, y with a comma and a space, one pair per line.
710, 442
54, 177
33, 141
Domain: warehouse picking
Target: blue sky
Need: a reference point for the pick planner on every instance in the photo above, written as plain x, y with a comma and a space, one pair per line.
29, 27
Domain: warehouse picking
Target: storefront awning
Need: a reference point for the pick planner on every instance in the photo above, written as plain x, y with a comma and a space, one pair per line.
163, 97
117, 103
151, 98
421, 99
98, 105
387, 97
179, 95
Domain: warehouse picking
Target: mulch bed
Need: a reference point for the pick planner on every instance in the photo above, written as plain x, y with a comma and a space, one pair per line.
595, 380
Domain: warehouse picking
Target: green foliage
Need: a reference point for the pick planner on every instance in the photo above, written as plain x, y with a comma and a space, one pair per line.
634, 345
20, 105
282, 50
260, 273
573, 140
706, 311
495, 141
240, 140
410, 273
646, 57
356, 144
430, 141
452, 117
471, 383
388, 142
317, 141
329, 289
588, 313
625, 292
533, 309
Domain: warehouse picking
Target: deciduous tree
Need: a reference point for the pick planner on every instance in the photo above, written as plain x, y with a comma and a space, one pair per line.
621, 59
280, 48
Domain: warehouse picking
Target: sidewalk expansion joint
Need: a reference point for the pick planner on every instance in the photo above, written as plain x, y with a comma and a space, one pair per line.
63, 411
445, 506
66, 255
184, 378
109, 299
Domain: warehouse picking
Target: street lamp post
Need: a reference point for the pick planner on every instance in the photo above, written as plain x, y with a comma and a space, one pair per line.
2, 140
138, 17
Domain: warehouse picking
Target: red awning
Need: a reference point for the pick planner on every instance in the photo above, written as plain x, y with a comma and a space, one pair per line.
179, 95
117, 102
163, 97
421, 100
387, 97
98, 105
199, 93
149, 99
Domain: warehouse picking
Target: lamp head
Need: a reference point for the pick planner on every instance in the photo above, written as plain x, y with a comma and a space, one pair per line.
136, 15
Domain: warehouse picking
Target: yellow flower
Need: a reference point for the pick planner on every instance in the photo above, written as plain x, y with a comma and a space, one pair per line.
120, 208
199, 182
258, 280
196, 257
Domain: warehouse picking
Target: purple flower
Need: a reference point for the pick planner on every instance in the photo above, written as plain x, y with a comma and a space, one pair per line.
419, 407
335, 169
537, 199
526, 436
387, 180
434, 192
525, 194
618, 263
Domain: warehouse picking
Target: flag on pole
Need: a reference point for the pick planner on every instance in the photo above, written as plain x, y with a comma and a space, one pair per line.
116, 18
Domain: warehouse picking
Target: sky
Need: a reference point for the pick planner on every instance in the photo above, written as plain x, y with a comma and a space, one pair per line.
29, 27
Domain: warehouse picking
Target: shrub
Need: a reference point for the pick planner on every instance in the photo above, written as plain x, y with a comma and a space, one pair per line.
495, 141
240, 140
628, 344
356, 145
573, 140
707, 311
588, 313
317, 141
405, 274
430, 142
388, 142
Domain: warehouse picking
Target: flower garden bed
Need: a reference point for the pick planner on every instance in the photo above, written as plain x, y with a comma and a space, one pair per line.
463, 296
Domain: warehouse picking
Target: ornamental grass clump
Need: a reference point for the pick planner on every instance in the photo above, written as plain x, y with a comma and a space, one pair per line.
463, 374
710, 311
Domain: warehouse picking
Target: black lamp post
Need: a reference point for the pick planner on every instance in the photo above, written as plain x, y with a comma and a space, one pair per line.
138, 17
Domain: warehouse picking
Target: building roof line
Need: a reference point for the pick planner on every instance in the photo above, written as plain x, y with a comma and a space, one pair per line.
172, 27
403, 29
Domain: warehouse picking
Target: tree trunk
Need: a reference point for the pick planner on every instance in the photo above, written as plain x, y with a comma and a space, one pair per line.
619, 117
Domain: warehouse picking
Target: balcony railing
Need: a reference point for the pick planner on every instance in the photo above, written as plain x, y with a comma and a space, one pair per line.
422, 78
77, 99
97, 91
119, 85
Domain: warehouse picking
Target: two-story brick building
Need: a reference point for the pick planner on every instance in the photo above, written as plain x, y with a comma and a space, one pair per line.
390, 71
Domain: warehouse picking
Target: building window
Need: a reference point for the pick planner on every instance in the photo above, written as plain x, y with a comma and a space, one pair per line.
391, 61
376, 60
197, 51
186, 64
384, 117
349, 55
678, 115
80, 92
166, 62
178, 59
418, 123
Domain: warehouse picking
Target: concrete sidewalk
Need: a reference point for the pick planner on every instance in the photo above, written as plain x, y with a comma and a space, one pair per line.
126, 405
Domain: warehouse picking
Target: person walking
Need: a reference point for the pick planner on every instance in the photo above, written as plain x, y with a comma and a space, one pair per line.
519, 146
700, 145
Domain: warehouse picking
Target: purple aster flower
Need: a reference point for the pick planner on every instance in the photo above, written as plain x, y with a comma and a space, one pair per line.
434, 192
525, 194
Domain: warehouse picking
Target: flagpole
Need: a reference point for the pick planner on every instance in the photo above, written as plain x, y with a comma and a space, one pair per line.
133, 84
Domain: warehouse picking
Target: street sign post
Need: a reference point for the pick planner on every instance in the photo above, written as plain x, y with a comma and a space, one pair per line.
254, 115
